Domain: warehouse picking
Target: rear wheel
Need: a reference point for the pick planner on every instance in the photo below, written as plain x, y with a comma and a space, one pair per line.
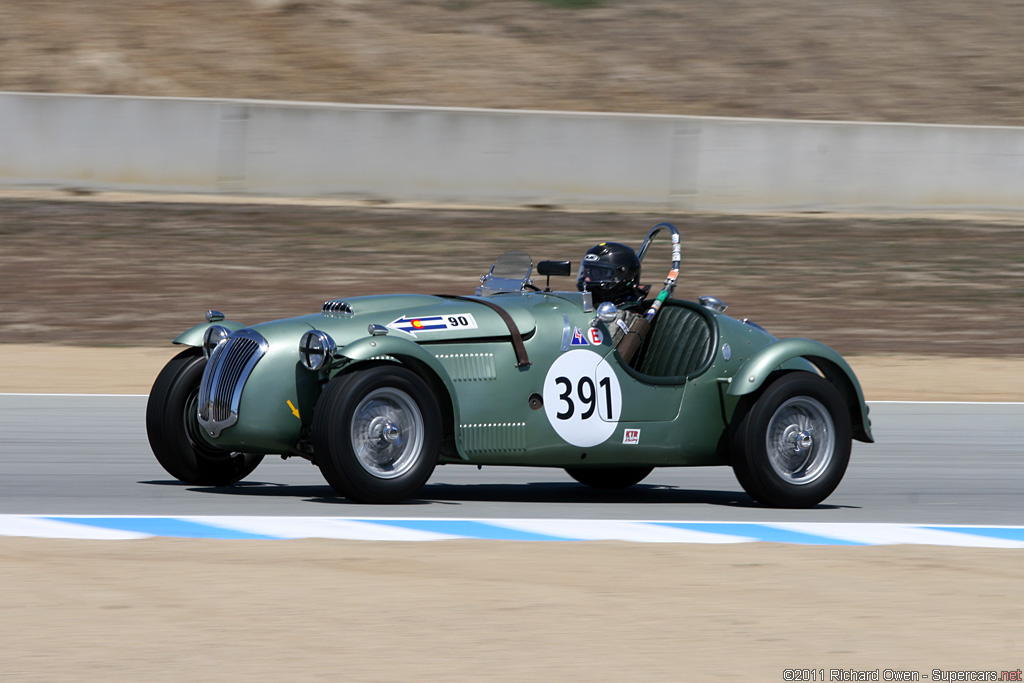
792, 442
377, 434
609, 478
174, 431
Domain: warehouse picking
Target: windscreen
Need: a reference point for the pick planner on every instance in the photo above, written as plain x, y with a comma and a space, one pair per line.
512, 265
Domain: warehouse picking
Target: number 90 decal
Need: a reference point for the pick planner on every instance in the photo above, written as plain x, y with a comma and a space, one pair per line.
582, 398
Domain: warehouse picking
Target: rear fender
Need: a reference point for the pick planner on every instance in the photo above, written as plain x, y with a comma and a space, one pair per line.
752, 375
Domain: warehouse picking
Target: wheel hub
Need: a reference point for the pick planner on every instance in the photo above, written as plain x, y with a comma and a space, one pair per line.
800, 440
382, 431
391, 432
387, 433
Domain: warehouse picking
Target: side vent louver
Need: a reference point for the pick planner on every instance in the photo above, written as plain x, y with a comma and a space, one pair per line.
467, 367
494, 437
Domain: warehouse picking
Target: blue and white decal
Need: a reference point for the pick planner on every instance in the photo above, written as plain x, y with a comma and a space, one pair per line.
433, 323
578, 339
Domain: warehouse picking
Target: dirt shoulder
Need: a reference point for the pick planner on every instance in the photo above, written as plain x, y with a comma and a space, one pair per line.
136, 273
171, 610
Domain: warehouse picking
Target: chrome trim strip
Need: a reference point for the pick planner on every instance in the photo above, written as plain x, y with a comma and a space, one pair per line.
230, 365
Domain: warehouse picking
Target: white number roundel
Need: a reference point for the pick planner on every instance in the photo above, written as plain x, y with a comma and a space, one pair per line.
582, 398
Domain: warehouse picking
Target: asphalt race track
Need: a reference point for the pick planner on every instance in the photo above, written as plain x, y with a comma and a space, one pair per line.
933, 463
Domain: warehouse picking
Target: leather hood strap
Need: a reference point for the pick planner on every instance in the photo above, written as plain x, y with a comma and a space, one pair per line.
522, 359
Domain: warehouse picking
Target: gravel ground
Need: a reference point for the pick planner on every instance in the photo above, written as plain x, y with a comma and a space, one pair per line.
174, 609
137, 273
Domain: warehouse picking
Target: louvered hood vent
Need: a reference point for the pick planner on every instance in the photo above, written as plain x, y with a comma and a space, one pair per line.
336, 307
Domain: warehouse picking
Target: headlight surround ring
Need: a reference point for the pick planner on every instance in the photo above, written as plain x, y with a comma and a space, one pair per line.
316, 349
213, 337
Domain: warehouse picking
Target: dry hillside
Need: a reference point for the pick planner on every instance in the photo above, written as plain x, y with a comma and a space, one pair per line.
879, 60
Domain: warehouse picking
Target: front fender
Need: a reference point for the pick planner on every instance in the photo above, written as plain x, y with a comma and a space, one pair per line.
752, 375
407, 352
194, 335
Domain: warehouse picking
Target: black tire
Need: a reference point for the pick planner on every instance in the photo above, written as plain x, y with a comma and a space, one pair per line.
174, 430
609, 478
792, 443
377, 434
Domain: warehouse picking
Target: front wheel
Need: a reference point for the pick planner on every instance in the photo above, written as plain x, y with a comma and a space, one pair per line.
792, 444
609, 478
377, 434
174, 433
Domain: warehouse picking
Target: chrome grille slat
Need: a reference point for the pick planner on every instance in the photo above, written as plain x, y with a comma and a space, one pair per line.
236, 358
224, 378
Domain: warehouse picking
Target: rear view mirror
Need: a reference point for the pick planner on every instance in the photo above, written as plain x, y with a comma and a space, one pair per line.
549, 268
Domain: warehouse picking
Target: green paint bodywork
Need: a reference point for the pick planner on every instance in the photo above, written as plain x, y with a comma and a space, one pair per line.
836, 370
486, 400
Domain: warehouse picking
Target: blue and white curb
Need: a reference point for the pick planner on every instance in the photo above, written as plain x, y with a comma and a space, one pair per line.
420, 529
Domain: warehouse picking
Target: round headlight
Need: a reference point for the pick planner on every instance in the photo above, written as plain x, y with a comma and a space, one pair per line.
316, 349
215, 334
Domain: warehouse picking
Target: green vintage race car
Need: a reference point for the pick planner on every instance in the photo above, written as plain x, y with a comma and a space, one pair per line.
379, 390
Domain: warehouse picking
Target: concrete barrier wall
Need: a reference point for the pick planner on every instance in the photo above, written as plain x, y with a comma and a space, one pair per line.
473, 156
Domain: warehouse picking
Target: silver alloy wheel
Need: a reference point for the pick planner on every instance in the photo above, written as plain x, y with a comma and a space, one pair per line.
800, 440
387, 432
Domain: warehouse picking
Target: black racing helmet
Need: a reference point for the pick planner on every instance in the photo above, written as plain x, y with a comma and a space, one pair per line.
611, 271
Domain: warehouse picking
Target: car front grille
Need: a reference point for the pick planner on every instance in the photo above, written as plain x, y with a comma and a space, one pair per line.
226, 372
